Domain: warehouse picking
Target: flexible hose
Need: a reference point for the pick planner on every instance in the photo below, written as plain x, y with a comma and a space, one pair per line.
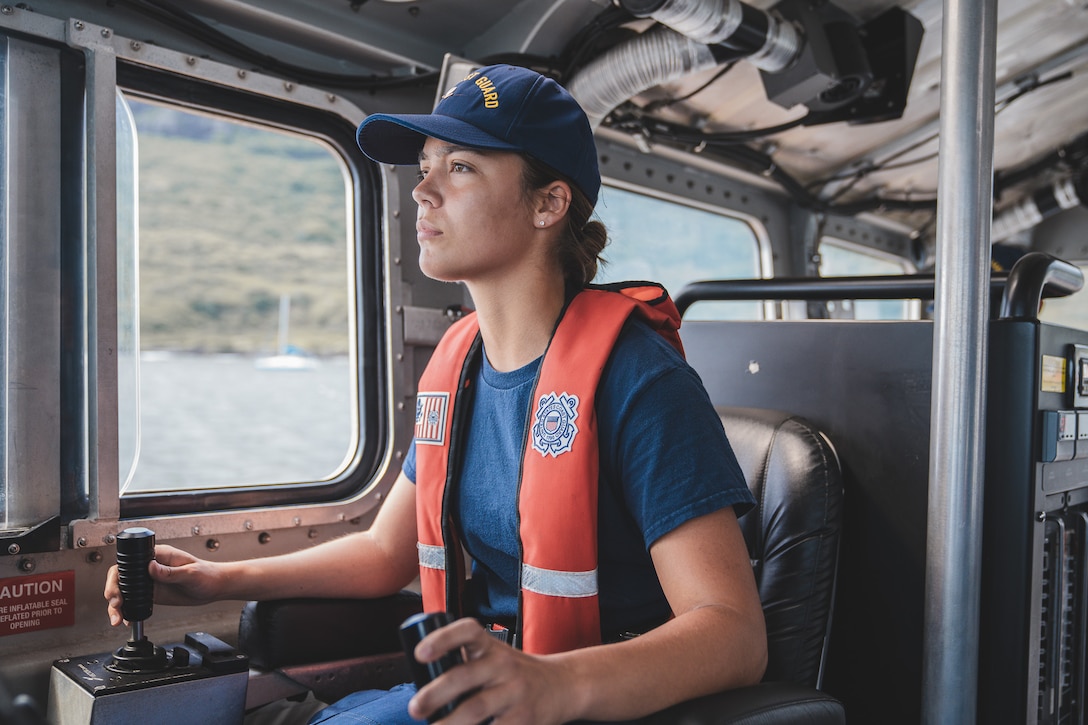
657, 56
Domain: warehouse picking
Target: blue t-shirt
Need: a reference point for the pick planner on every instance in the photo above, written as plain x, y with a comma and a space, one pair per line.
663, 451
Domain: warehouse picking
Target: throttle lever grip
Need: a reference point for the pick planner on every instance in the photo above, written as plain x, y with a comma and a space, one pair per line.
135, 550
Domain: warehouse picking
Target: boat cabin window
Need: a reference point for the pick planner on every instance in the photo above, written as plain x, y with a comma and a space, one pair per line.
843, 259
242, 325
674, 243
31, 135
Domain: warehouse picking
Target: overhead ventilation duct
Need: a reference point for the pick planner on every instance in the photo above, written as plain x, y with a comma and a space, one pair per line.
820, 57
697, 35
657, 56
1042, 204
760, 37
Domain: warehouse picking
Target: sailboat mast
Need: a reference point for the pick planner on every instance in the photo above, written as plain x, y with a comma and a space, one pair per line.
285, 314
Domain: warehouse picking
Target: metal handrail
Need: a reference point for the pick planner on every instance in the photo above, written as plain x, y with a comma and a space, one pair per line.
1034, 276
893, 287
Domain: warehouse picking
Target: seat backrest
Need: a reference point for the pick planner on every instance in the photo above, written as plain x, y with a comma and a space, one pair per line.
792, 533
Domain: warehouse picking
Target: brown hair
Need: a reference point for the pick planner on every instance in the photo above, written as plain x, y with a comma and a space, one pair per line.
583, 240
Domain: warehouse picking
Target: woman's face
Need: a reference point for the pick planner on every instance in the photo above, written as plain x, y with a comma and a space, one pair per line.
473, 222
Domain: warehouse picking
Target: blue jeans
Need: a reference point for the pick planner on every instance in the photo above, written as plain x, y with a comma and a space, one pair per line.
384, 707
370, 707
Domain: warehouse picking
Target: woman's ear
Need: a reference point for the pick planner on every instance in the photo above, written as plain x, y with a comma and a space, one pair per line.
555, 199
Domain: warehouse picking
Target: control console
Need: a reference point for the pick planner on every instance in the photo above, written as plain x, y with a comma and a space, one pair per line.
201, 680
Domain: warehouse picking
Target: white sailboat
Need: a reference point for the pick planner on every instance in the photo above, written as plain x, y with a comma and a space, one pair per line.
287, 357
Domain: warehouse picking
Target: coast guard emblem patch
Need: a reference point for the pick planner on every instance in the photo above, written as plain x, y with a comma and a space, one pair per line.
431, 418
554, 429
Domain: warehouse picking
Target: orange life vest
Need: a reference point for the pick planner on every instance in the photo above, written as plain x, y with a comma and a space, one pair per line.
557, 495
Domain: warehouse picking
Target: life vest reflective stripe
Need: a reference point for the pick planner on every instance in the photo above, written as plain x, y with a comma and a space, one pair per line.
558, 583
557, 492
431, 557
534, 579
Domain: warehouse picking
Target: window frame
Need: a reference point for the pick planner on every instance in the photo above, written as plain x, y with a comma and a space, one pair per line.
764, 252
368, 314
913, 307
907, 265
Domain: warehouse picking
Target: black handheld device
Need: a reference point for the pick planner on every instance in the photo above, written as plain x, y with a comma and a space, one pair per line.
412, 630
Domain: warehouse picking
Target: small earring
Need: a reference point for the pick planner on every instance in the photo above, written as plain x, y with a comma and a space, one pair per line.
541, 222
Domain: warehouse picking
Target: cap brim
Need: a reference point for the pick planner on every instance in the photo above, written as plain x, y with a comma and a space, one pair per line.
398, 139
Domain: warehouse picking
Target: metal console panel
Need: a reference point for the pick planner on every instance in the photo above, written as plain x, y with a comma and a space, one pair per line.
205, 683
869, 386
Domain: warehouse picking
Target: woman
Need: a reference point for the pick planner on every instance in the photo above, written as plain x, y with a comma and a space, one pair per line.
560, 439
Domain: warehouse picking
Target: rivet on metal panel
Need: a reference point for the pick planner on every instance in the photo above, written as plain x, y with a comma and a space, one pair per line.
13, 549
81, 542
27, 565
78, 25
264, 537
312, 533
241, 73
7, 9
297, 521
106, 32
109, 538
248, 525
212, 544
196, 531
136, 45
94, 557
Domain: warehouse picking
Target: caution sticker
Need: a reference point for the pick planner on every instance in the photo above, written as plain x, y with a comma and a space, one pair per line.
39, 601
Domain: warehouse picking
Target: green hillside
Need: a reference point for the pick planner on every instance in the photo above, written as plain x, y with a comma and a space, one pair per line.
231, 217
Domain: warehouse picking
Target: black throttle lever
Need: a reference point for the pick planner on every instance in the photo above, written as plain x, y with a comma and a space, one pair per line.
135, 550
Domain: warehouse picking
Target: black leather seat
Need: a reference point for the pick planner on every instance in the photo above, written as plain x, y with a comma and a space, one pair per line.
792, 536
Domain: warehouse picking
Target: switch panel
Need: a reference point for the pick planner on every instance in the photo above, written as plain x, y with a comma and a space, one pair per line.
1059, 431
1082, 434
1078, 374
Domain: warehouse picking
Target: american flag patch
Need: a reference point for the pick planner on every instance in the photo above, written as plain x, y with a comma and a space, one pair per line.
431, 418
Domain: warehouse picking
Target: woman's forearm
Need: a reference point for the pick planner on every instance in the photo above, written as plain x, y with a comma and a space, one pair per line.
703, 651
353, 566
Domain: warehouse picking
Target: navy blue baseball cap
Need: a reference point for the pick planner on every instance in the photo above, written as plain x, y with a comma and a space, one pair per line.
500, 107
